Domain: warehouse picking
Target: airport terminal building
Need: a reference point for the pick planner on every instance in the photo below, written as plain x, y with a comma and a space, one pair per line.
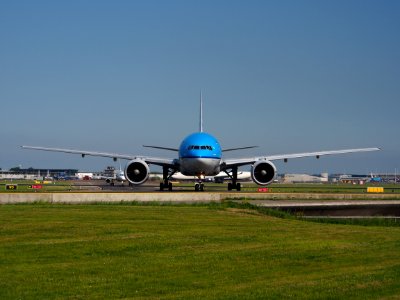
32, 173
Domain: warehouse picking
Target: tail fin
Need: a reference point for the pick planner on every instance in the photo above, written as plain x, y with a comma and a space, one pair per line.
201, 112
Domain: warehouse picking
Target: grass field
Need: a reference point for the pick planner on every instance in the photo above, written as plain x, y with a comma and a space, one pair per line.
189, 252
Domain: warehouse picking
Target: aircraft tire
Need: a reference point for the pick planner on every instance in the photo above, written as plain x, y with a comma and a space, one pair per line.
238, 187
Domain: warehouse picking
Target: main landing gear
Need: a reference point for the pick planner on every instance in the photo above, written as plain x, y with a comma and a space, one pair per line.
234, 185
166, 184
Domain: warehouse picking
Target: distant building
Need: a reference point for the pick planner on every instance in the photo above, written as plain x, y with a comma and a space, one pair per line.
109, 171
305, 178
32, 173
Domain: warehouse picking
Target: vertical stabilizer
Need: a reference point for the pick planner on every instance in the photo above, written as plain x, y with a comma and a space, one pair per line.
201, 112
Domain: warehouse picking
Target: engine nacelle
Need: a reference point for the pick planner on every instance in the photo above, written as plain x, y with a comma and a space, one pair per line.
137, 171
263, 172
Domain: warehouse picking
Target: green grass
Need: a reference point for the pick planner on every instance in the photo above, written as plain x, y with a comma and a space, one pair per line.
24, 186
189, 252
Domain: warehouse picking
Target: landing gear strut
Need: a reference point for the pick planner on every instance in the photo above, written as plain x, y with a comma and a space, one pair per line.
166, 184
234, 185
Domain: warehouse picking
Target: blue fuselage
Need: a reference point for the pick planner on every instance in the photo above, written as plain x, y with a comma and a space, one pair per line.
200, 155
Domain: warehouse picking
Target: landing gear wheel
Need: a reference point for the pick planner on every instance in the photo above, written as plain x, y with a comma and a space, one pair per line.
234, 186
166, 185
238, 187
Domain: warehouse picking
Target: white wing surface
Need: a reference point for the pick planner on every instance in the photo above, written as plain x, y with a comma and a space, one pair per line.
150, 160
246, 161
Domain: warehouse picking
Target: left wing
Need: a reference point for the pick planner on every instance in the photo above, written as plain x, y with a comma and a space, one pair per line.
228, 163
150, 160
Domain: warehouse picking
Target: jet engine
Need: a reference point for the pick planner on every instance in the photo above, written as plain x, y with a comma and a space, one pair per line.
263, 172
137, 171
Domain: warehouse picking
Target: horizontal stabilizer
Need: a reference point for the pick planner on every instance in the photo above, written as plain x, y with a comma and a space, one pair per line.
162, 148
241, 148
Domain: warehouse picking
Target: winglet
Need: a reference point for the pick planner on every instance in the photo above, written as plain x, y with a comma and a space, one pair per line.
201, 112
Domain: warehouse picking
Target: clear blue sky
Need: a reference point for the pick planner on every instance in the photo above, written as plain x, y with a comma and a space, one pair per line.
288, 76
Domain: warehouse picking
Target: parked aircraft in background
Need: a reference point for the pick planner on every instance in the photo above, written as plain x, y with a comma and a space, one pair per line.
119, 176
219, 178
375, 179
200, 155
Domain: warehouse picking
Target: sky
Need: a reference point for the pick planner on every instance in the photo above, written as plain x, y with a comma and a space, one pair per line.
287, 76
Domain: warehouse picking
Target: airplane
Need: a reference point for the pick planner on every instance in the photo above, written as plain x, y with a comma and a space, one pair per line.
119, 176
200, 155
219, 178
374, 178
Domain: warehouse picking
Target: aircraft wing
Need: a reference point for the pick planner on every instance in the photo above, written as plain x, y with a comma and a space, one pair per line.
150, 160
228, 163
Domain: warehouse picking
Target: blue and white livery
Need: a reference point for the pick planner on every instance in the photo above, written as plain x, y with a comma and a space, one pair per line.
200, 155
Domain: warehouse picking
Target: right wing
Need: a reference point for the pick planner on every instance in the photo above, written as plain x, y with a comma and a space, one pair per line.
150, 160
228, 163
